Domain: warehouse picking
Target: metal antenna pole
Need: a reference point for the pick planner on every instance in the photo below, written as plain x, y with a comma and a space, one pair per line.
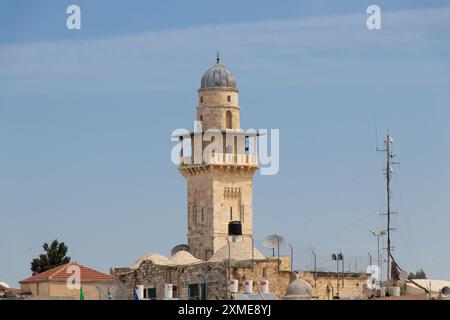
388, 172
388, 192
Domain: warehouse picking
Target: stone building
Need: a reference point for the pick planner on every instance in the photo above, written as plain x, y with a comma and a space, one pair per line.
52, 284
329, 285
194, 279
218, 164
6, 292
198, 280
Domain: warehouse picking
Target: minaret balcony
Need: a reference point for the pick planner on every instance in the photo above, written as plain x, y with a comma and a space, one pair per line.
222, 159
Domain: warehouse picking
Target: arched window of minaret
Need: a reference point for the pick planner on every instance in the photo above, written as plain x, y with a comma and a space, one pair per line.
201, 118
229, 120
194, 213
231, 213
229, 98
201, 99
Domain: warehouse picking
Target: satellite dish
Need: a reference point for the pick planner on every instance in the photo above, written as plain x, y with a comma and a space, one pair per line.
273, 241
445, 292
180, 247
403, 276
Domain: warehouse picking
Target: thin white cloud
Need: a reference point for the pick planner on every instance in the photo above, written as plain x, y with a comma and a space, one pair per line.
318, 46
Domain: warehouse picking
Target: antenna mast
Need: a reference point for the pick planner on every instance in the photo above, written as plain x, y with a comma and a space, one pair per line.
388, 172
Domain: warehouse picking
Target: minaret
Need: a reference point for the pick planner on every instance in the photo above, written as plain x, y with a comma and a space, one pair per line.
219, 188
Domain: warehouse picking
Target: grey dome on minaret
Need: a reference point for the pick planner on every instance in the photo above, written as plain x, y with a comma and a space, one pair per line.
218, 76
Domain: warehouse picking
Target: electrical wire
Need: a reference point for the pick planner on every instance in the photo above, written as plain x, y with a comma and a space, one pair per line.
350, 224
319, 212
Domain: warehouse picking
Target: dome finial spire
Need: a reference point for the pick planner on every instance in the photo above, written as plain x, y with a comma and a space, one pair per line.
217, 57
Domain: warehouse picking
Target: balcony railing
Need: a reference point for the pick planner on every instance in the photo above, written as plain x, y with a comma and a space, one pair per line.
223, 159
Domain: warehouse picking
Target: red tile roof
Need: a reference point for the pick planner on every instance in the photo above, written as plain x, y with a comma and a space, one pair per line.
61, 274
18, 291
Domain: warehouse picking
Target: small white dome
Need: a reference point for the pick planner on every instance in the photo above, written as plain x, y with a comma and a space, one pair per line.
299, 290
156, 258
184, 257
241, 250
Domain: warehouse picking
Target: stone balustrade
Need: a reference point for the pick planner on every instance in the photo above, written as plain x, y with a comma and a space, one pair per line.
223, 159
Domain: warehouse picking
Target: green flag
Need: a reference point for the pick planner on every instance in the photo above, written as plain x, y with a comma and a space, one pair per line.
81, 293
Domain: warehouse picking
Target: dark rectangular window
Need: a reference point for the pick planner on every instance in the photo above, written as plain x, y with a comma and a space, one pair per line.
208, 254
150, 293
231, 213
175, 291
197, 291
194, 291
203, 216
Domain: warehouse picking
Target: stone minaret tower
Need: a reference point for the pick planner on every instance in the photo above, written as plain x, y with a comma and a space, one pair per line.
220, 188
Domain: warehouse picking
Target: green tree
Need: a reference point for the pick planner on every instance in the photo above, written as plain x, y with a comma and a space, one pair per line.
418, 275
55, 255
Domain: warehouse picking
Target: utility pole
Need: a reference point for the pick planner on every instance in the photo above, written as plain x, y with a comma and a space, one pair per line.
315, 268
381, 268
378, 235
292, 257
341, 257
337, 257
388, 172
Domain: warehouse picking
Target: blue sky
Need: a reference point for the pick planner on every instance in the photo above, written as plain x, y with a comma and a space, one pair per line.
86, 118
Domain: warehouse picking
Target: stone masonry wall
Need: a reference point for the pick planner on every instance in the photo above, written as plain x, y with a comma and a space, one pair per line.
155, 276
217, 276
326, 284
212, 108
278, 279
